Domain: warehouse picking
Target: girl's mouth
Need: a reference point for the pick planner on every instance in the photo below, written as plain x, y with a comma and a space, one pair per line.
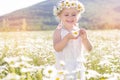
69, 21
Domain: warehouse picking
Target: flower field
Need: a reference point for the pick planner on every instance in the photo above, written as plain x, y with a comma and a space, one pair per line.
30, 56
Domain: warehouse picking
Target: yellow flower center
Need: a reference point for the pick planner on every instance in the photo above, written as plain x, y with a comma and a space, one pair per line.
61, 72
62, 3
75, 32
103, 78
73, 4
57, 78
67, 3
49, 71
79, 7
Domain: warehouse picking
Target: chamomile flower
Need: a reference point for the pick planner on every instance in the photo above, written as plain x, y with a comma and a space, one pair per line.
26, 59
92, 74
61, 72
62, 63
50, 71
11, 60
25, 70
58, 78
73, 4
12, 76
75, 31
63, 4
67, 4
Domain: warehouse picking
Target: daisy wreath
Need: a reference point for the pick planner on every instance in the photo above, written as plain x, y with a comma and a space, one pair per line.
68, 4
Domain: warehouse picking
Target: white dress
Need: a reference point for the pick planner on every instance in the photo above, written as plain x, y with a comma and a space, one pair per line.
72, 56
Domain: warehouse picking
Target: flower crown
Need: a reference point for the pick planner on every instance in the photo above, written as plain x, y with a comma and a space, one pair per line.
68, 4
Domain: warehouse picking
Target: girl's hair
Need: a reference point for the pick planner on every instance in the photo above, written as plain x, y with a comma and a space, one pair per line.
68, 4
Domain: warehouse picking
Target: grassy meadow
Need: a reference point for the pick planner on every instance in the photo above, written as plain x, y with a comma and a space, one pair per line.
30, 55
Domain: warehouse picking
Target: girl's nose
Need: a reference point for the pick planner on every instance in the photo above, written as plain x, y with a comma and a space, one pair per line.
70, 17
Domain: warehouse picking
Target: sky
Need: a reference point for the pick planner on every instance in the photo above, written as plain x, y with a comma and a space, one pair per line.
7, 6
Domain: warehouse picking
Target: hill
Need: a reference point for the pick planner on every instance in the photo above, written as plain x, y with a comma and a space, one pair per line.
99, 14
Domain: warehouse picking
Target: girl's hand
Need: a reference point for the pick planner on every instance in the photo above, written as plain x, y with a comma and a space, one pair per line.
70, 36
83, 34
85, 40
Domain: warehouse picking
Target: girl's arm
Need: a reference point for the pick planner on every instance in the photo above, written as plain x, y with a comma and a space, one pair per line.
59, 43
85, 40
87, 44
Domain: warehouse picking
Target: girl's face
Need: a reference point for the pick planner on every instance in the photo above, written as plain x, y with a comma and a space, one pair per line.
69, 17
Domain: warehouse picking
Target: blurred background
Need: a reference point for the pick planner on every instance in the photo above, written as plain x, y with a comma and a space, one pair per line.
99, 14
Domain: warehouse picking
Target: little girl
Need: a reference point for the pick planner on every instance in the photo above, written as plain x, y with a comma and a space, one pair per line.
68, 39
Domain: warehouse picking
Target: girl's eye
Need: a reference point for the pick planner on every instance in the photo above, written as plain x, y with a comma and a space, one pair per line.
66, 15
73, 14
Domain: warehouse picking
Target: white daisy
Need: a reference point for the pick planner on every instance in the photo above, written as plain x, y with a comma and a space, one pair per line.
75, 31
49, 71
62, 63
12, 76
